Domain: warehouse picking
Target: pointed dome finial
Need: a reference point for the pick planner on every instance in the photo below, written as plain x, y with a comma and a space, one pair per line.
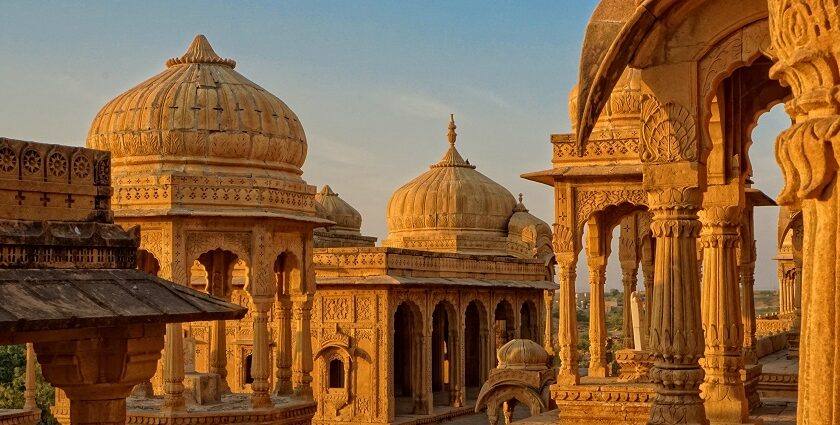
452, 135
520, 197
200, 51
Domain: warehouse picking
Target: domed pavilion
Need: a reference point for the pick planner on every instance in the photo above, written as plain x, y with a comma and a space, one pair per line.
412, 328
208, 164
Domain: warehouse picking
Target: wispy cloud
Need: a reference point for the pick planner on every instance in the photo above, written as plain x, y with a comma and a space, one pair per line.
416, 104
486, 95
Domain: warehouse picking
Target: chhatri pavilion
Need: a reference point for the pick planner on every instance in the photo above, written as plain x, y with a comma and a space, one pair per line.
409, 331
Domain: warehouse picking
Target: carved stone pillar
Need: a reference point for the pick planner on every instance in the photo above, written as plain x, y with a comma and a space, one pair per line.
173, 370
567, 332
302, 358
284, 350
597, 319
804, 37
628, 256
676, 332
260, 369
548, 299
722, 389
97, 374
29, 399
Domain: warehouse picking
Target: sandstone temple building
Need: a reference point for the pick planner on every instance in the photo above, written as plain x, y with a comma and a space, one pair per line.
412, 328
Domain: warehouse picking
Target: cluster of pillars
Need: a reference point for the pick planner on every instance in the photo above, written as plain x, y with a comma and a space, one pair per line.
686, 323
790, 289
294, 354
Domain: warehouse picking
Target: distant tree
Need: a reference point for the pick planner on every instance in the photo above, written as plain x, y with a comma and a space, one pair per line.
13, 383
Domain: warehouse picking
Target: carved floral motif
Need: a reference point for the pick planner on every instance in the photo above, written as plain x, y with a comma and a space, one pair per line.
668, 132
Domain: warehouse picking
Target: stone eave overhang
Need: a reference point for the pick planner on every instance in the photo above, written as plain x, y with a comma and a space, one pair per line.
37, 300
388, 280
312, 221
586, 173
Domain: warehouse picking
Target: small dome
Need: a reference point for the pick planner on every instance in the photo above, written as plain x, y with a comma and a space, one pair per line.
522, 354
451, 198
331, 207
530, 229
200, 117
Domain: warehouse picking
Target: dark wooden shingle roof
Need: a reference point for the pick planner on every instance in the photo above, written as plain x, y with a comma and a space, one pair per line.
53, 299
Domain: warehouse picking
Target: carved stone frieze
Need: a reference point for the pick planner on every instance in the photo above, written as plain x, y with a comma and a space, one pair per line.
591, 201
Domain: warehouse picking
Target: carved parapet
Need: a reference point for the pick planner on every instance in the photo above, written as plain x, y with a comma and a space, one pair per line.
766, 327
54, 182
634, 365
605, 146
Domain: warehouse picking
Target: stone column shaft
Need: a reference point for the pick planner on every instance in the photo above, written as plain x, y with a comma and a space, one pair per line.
548, 298
676, 337
284, 351
629, 280
597, 320
722, 390
260, 369
748, 312
30, 402
173, 370
302, 358
567, 332
218, 353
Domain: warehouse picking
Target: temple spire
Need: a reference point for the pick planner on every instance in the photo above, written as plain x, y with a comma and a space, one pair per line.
452, 135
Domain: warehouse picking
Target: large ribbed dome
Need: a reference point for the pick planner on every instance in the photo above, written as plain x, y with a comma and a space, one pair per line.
201, 139
199, 116
452, 198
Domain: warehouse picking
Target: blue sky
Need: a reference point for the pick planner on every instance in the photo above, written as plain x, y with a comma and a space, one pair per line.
373, 83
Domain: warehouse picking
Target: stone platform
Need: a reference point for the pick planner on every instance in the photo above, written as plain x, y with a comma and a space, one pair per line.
779, 377
233, 409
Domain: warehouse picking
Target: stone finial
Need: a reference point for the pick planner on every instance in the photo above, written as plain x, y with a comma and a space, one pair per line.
200, 51
452, 135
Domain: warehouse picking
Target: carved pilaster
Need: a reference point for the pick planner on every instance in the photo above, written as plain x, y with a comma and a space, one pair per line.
676, 334
722, 389
173, 370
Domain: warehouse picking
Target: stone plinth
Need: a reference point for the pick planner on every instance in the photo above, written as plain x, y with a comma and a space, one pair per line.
634, 365
603, 402
750, 377
19, 416
202, 388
